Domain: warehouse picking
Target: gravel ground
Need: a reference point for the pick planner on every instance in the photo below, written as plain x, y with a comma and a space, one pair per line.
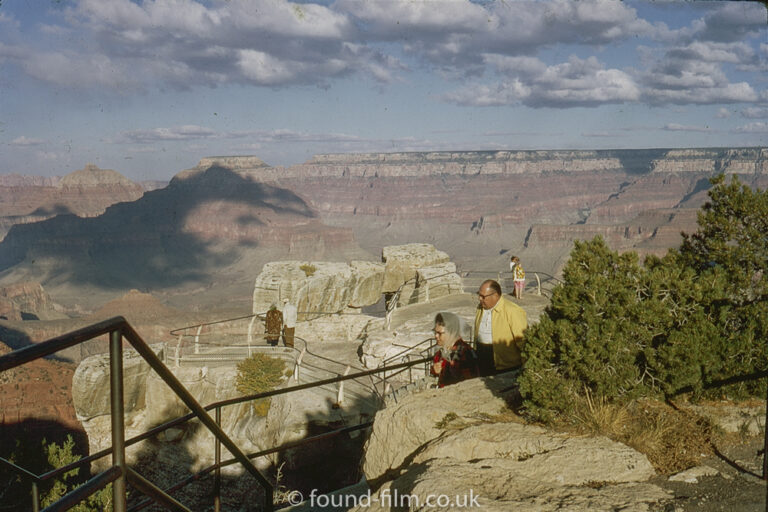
732, 489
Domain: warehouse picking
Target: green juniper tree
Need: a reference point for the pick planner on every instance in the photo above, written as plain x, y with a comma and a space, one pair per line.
620, 330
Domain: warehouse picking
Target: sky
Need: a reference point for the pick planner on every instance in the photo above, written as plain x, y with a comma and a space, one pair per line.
149, 87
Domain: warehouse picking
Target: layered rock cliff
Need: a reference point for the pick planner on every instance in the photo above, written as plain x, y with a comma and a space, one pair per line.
85, 193
203, 224
553, 196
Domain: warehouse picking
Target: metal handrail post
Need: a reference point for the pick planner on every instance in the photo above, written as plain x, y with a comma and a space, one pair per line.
217, 472
118, 423
178, 350
143, 349
340, 395
197, 339
35, 497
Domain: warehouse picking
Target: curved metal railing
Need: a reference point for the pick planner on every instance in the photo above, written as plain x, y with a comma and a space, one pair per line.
119, 474
299, 357
473, 278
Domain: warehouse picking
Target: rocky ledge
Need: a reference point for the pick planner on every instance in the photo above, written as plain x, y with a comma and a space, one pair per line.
463, 442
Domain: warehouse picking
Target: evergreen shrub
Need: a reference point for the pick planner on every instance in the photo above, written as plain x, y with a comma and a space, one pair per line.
619, 330
257, 374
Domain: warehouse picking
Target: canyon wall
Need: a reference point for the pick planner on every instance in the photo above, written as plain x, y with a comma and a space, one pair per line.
85, 193
553, 196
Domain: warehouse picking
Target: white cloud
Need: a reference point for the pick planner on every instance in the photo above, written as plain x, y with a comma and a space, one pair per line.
755, 113
723, 113
388, 20
731, 21
179, 133
504, 48
26, 141
735, 53
675, 127
691, 81
578, 82
756, 127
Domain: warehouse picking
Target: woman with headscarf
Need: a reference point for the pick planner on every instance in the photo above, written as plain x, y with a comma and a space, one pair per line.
455, 360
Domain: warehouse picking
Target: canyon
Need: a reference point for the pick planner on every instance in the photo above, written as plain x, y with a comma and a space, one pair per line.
93, 244
93, 235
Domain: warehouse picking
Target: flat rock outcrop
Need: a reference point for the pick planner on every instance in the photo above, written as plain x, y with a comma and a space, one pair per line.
458, 442
402, 261
318, 287
322, 287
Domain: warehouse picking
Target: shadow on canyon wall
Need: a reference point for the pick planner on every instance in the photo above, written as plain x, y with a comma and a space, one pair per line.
636, 161
14, 338
149, 242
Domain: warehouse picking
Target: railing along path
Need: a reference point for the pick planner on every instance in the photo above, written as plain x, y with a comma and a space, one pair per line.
119, 474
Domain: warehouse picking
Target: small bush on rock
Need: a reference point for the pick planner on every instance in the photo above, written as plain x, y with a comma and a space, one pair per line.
257, 374
308, 269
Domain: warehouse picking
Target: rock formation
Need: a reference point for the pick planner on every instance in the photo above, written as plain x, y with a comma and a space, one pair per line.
320, 287
402, 262
149, 402
26, 301
419, 271
213, 222
458, 442
447, 197
85, 193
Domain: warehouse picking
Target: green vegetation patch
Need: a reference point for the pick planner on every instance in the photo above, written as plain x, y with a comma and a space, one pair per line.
308, 269
257, 374
621, 330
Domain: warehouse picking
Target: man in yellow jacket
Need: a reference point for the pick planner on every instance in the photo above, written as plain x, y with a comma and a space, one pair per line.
499, 326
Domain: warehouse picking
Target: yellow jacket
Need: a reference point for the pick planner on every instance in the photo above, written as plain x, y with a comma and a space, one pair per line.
508, 321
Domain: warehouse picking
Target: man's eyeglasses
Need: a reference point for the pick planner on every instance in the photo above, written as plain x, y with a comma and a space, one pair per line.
486, 295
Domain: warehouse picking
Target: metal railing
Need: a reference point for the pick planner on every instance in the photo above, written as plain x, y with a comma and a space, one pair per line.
119, 473
473, 278
299, 353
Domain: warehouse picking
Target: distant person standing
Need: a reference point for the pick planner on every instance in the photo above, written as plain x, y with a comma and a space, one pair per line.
499, 326
289, 321
518, 275
273, 325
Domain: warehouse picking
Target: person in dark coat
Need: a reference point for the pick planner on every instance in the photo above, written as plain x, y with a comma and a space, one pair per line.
455, 360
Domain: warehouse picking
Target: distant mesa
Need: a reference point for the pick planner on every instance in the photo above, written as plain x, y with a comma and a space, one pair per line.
87, 192
92, 176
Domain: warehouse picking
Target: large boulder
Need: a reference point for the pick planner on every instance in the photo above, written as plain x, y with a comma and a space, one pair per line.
381, 345
402, 261
463, 444
150, 402
91, 388
432, 282
323, 287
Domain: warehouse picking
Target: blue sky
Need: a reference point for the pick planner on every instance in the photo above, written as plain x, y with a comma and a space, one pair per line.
149, 87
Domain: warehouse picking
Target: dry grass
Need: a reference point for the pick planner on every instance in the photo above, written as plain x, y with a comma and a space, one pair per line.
672, 439
597, 416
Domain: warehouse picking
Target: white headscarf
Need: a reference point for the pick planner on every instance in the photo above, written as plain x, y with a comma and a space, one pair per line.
454, 327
